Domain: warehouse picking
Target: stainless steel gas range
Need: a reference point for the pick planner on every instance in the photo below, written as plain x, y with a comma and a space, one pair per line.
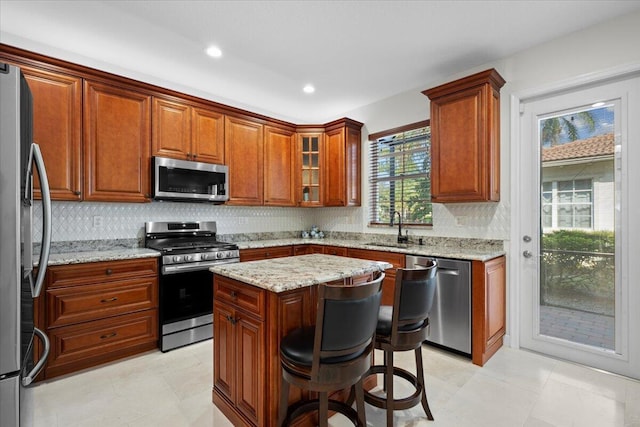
186, 285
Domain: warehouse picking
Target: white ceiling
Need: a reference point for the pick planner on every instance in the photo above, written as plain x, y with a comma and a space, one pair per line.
354, 52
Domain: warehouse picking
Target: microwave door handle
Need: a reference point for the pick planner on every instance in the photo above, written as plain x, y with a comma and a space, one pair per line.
28, 379
35, 156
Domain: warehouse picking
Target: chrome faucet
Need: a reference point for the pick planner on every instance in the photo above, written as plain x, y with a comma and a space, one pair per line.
401, 238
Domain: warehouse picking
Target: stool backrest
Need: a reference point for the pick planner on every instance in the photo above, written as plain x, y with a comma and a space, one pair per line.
413, 298
346, 321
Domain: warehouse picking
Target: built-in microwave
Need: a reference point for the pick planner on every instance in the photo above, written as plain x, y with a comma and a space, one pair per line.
183, 180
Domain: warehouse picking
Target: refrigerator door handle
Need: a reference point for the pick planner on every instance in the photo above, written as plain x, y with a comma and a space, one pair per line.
35, 156
28, 379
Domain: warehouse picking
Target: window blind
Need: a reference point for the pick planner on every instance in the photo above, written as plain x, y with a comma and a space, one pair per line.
400, 170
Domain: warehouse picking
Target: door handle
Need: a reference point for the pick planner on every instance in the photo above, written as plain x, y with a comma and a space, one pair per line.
28, 379
527, 254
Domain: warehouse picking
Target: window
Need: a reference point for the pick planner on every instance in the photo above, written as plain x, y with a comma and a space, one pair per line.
400, 174
567, 204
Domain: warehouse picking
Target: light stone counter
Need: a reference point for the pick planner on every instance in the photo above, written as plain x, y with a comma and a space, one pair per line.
283, 274
99, 255
447, 250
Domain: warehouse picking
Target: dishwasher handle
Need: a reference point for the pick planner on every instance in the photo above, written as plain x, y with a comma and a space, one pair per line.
449, 271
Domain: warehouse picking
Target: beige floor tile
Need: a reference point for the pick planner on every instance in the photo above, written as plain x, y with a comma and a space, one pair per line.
563, 404
515, 388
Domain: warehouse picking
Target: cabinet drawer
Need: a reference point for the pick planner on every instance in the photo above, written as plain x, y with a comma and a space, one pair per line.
265, 253
243, 296
396, 259
77, 346
69, 305
97, 272
335, 250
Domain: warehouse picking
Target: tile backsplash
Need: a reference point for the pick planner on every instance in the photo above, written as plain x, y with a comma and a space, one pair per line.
107, 221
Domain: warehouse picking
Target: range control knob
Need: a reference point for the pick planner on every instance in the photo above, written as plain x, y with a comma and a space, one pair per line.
188, 257
220, 255
177, 258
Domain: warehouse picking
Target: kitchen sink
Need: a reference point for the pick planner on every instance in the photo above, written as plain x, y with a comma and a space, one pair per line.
388, 245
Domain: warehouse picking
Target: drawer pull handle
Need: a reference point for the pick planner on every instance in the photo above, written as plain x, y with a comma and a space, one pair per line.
109, 272
232, 320
234, 294
105, 336
109, 300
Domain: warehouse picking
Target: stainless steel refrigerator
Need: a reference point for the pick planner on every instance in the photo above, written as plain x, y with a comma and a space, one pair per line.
18, 287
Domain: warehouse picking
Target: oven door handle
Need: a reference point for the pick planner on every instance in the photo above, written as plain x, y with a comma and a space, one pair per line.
195, 266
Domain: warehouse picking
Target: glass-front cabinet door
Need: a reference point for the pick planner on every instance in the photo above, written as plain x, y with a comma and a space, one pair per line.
310, 157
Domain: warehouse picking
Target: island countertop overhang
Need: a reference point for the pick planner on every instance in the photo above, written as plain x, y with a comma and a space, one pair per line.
284, 274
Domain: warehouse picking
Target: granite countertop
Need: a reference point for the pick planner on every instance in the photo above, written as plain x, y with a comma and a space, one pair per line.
98, 255
283, 274
441, 251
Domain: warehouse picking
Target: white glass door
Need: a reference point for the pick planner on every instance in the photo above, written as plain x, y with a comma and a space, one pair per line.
578, 168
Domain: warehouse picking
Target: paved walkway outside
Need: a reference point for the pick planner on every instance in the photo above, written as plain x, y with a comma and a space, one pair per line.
578, 326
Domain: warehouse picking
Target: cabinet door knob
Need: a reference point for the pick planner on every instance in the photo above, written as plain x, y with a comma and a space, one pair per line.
234, 294
108, 272
77, 193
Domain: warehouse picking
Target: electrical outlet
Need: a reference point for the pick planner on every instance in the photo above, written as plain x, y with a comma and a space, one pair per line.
98, 221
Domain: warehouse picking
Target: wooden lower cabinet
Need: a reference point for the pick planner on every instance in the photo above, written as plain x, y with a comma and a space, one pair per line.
98, 312
256, 254
88, 344
239, 351
335, 250
488, 299
389, 282
249, 323
308, 249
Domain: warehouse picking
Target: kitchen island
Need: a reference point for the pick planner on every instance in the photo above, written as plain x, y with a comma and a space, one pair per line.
257, 303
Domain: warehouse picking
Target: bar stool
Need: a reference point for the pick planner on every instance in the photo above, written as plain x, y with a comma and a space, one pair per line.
403, 327
333, 354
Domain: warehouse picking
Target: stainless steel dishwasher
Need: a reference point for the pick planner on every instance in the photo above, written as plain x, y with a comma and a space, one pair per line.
450, 317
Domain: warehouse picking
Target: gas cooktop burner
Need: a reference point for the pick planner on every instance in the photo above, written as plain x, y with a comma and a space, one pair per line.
191, 246
188, 245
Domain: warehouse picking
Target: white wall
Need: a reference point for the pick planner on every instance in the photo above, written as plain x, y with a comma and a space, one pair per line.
593, 50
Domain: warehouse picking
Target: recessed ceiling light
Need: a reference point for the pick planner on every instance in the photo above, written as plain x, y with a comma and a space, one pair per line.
309, 89
214, 51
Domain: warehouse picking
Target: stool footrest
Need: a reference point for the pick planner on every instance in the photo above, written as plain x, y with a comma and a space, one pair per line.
303, 406
398, 404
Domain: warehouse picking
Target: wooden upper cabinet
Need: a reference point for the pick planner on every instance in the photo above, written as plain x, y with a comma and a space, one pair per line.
341, 163
279, 176
187, 132
171, 129
117, 141
207, 135
465, 139
57, 127
309, 158
244, 155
